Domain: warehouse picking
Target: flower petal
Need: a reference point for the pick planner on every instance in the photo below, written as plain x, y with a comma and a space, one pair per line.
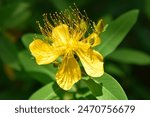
60, 34
93, 40
43, 52
69, 72
92, 61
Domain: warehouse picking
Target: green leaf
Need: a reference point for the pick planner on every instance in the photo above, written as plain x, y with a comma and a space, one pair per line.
106, 88
28, 38
48, 92
13, 15
112, 68
130, 56
116, 32
8, 52
94, 87
41, 77
30, 65
45, 93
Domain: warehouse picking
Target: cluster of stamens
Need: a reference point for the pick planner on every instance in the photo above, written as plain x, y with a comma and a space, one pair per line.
72, 17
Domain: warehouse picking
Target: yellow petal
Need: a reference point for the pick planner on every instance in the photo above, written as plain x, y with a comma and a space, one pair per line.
92, 61
43, 52
69, 72
93, 39
60, 34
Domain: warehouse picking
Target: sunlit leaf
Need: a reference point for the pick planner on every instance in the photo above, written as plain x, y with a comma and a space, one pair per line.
49, 91
116, 32
106, 88
45, 93
130, 56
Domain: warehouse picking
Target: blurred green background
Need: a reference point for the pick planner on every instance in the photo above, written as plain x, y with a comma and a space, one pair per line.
127, 64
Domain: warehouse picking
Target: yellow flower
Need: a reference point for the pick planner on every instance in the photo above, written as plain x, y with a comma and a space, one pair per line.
67, 37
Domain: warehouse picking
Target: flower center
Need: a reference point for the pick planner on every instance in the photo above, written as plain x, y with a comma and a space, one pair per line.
72, 45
